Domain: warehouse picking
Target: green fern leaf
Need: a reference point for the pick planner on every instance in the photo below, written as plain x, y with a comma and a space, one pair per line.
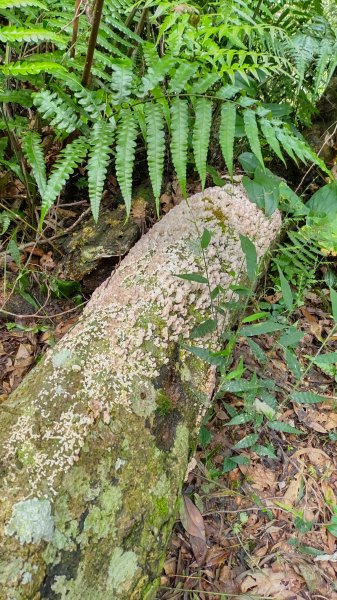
37, 34
181, 76
121, 81
227, 133
269, 134
68, 159
201, 135
155, 141
100, 141
252, 132
27, 68
22, 97
21, 4
204, 83
179, 140
32, 148
125, 154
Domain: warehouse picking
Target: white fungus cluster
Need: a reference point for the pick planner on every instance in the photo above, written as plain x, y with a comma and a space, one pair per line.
125, 334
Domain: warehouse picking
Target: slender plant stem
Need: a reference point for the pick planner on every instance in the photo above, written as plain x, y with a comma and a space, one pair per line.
75, 28
92, 42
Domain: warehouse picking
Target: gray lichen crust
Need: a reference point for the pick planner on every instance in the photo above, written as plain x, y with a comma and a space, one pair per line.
95, 442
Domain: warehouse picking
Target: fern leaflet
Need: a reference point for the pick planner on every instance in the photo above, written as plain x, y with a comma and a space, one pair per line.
125, 154
100, 141
155, 140
269, 134
201, 135
32, 148
252, 133
179, 140
71, 156
227, 132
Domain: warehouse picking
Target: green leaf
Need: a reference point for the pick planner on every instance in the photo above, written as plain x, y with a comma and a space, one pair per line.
71, 156
201, 135
291, 337
37, 34
263, 190
179, 140
232, 462
326, 359
125, 154
240, 419
205, 436
324, 200
307, 398
271, 138
284, 427
286, 290
333, 298
227, 133
247, 441
155, 141
252, 132
205, 239
249, 162
14, 251
332, 526
254, 317
260, 328
264, 451
257, 352
249, 250
193, 277
303, 525
101, 139
32, 148
292, 363
203, 329
241, 385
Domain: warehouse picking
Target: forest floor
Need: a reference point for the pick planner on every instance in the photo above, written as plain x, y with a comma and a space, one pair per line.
265, 529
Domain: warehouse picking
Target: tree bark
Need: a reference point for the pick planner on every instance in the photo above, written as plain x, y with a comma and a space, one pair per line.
94, 444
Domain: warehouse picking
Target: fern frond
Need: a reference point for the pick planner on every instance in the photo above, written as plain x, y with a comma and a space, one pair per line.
155, 141
201, 135
181, 77
52, 108
179, 140
227, 133
125, 154
121, 81
32, 148
269, 134
71, 156
27, 68
100, 142
22, 97
35, 34
21, 3
252, 133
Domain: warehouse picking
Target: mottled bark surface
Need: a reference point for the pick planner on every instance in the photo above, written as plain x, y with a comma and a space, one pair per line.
95, 443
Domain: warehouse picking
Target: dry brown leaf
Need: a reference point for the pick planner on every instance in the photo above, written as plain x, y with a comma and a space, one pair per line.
282, 585
291, 494
261, 477
192, 520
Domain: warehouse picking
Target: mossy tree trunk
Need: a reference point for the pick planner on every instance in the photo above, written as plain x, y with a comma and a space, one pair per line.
95, 443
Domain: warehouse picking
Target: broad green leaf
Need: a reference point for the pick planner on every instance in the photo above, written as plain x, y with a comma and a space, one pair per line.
252, 132
333, 298
284, 427
260, 328
324, 200
291, 337
205, 239
292, 363
254, 317
264, 451
205, 436
193, 277
286, 290
247, 441
307, 398
249, 250
227, 133
232, 462
263, 190
332, 526
249, 162
257, 351
326, 359
240, 419
201, 135
241, 385
203, 329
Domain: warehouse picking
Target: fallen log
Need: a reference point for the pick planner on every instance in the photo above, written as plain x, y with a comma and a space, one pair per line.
95, 442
